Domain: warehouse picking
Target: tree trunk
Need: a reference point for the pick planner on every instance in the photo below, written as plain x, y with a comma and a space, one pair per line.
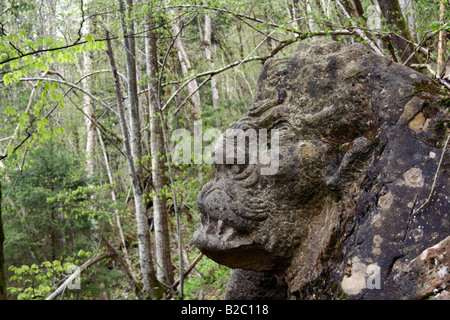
311, 21
2, 254
361, 33
162, 240
145, 257
88, 108
442, 44
209, 57
409, 14
241, 43
113, 194
392, 11
89, 117
192, 87
133, 99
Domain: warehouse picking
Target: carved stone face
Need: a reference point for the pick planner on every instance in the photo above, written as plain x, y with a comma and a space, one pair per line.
254, 221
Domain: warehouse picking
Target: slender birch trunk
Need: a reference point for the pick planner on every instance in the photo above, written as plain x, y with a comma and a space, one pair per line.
311, 21
209, 56
89, 115
133, 99
442, 44
192, 86
145, 257
126, 264
2, 255
162, 240
88, 108
113, 193
241, 42
409, 15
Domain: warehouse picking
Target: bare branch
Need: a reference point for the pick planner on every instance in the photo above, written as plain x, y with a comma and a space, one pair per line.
77, 273
75, 43
432, 72
74, 86
360, 33
277, 49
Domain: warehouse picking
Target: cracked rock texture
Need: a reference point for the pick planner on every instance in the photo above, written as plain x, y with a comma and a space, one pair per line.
357, 208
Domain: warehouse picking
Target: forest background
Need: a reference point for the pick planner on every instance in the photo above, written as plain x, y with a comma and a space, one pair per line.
92, 204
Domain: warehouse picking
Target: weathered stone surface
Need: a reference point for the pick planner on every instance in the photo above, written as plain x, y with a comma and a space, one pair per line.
254, 285
426, 276
361, 139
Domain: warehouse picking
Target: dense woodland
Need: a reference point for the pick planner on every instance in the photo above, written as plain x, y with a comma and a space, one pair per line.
93, 205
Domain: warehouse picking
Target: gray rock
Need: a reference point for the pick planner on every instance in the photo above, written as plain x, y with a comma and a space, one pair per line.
360, 140
255, 285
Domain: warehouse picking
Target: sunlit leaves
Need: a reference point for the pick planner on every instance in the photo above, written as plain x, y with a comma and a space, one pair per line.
7, 79
35, 282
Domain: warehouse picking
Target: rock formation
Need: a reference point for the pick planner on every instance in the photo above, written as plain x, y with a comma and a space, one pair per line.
358, 206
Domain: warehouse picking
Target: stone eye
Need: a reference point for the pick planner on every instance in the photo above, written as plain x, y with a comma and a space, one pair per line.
239, 171
281, 126
236, 168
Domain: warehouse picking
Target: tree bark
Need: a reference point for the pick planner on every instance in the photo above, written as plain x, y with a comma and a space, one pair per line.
392, 11
409, 17
442, 44
88, 108
113, 193
2, 254
241, 43
133, 98
145, 257
209, 57
192, 86
311, 22
162, 240
361, 33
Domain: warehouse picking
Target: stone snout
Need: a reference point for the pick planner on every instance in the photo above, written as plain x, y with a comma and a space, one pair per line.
229, 230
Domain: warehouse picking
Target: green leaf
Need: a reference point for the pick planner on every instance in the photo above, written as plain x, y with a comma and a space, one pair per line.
45, 121
16, 77
48, 41
14, 64
58, 131
23, 120
31, 44
89, 37
7, 79
25, 116
41, 65
10, 111
46, 135
37, 109
10, 150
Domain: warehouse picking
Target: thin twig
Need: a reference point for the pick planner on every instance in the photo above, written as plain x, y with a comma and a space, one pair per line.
433, 73
74, 86
435, 177
77, 273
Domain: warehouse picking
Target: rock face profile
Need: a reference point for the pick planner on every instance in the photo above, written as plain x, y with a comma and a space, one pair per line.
359, 205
